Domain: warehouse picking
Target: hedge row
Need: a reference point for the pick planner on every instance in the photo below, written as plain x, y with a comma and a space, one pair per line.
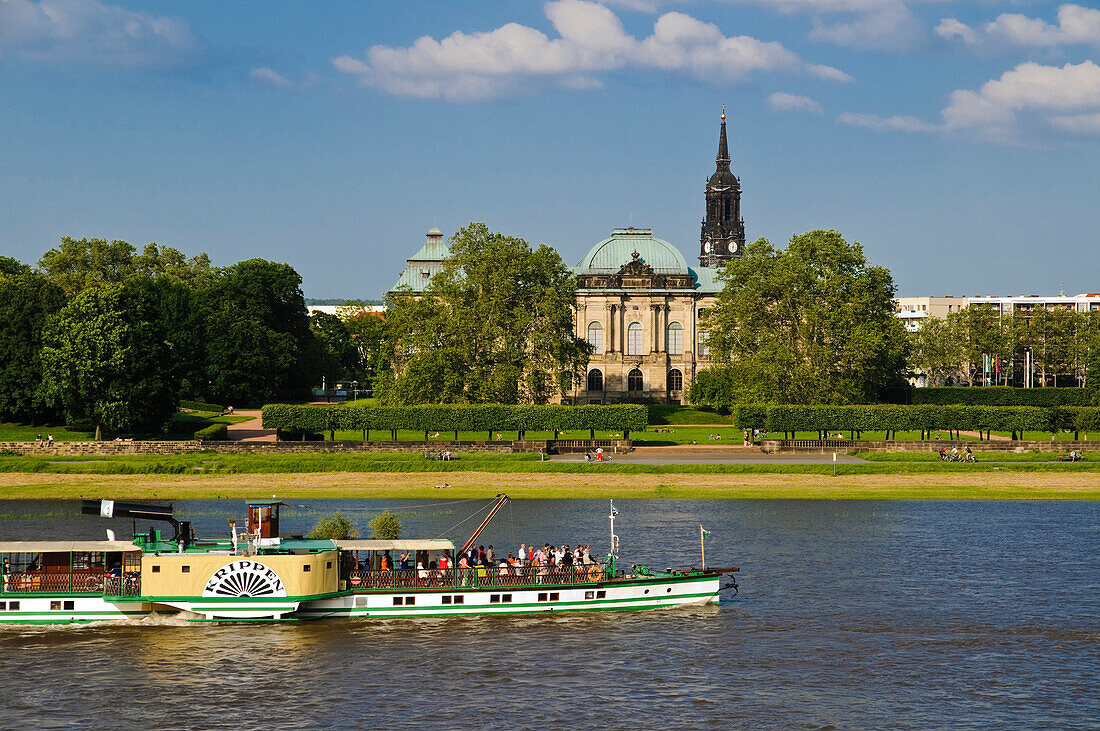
1002, 396
214, 432
917, 418
200, 406
454, 418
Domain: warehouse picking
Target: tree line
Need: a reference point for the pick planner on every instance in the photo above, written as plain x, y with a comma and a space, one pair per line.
102, 335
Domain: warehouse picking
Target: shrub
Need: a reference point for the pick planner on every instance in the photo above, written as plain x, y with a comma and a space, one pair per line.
334, 527
1001, 396
385, 527
213, 433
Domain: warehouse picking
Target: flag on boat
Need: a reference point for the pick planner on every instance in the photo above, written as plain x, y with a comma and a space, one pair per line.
614, 512
705, 531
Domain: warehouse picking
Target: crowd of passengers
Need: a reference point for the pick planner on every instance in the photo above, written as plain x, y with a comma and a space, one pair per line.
540, 561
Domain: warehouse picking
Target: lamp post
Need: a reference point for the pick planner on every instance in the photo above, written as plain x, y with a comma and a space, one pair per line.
355, 392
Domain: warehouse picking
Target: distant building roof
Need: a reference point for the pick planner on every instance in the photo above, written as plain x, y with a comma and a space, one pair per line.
425, 263
609, 256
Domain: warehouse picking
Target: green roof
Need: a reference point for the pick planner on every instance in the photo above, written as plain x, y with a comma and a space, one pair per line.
611, 253
425, 263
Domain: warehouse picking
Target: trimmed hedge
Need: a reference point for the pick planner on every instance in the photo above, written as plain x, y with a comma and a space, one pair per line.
200, 406
887, 418
213, 433
459, 417
1001, 396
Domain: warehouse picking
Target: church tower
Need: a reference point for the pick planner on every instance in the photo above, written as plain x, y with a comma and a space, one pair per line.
723, 234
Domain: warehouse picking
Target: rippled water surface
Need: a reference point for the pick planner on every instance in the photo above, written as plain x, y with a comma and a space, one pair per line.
851, 614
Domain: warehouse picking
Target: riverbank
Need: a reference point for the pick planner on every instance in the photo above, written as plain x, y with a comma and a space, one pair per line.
463, 485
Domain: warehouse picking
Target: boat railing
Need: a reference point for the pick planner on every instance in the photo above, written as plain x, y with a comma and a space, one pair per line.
482, 576
83, 582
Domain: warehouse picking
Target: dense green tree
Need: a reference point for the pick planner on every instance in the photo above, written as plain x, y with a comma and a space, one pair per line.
495, 326
812, 323
27, 300
106, 358
337, 352
334, 527
937, 350
80, 263
258, 347
367, 332
385, 527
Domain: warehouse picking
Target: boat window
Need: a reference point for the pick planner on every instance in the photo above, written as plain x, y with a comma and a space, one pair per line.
507, 597
69, 605
185, 569
306, 569
494, 598
446, 599
360, 601
398, 601
328, 565
3, 606
590, 595
601, 594
156, 569
55, 605
542, 596
409, 600
13, 606
553, 596
460, 599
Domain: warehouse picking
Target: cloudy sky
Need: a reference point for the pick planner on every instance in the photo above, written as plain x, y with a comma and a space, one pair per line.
958, 140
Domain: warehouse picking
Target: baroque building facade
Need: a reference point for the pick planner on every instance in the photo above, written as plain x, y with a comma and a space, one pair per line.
639, 303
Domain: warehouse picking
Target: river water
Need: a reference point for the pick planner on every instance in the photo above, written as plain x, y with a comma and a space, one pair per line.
852, 614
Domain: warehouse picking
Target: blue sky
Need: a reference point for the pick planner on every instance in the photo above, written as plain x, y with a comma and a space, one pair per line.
958, 141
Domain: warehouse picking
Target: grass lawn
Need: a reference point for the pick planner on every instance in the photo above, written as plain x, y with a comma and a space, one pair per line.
660, 415
183, 425
982, 457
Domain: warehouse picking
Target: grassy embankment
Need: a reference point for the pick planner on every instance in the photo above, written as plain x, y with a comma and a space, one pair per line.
183, 425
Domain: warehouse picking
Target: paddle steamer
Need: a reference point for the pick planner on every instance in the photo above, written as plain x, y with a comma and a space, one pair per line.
258, 575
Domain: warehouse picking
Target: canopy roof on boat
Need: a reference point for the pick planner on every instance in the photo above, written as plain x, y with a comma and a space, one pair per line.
433, 544
66, 546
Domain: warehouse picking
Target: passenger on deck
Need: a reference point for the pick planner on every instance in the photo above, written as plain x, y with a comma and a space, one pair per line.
522, 555
490, 556
586, 556
421, 572
443, 563
384, 562
405, 561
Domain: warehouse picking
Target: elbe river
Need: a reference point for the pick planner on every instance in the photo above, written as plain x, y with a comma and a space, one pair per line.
851, 614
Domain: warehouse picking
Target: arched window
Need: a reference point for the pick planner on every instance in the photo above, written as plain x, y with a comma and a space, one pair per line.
634, 339
675, 338
634, 380
675, 380
595, 336
595, 380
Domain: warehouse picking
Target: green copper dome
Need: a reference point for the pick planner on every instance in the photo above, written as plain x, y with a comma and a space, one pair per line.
611, 253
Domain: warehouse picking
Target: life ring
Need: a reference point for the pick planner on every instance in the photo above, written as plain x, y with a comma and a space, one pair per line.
595, 573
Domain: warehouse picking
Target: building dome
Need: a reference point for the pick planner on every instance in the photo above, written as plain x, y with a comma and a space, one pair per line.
609, 255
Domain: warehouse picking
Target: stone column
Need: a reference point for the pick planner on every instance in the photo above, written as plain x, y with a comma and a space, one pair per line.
656, 340
622, 328
609, 329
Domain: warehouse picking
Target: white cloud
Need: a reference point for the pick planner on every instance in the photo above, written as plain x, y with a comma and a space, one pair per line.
1076, 25
591, 39
274, 78
88, 31
884, 124
889, 27
783, 102
1024, 102
269, 76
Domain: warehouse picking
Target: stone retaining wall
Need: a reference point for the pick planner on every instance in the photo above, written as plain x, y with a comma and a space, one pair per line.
109, 449
807, 446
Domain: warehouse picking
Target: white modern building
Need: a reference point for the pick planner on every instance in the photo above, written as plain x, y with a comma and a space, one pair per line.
913, 311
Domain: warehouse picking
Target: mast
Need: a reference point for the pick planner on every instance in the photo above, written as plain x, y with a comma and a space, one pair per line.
501, 500
614, 540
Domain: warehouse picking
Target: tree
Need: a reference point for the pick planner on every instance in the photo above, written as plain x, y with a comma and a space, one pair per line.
334, 527
813, 323
385, 527
338, 354
28, 301
937, 351
106, 358
494, 326
80, 263
367, 332
257, 343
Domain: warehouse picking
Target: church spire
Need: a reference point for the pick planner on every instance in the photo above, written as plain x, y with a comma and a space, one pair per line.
723, 233
723, 158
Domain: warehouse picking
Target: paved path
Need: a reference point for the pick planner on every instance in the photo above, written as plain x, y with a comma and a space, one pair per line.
991, 437
251, 430
692, 454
